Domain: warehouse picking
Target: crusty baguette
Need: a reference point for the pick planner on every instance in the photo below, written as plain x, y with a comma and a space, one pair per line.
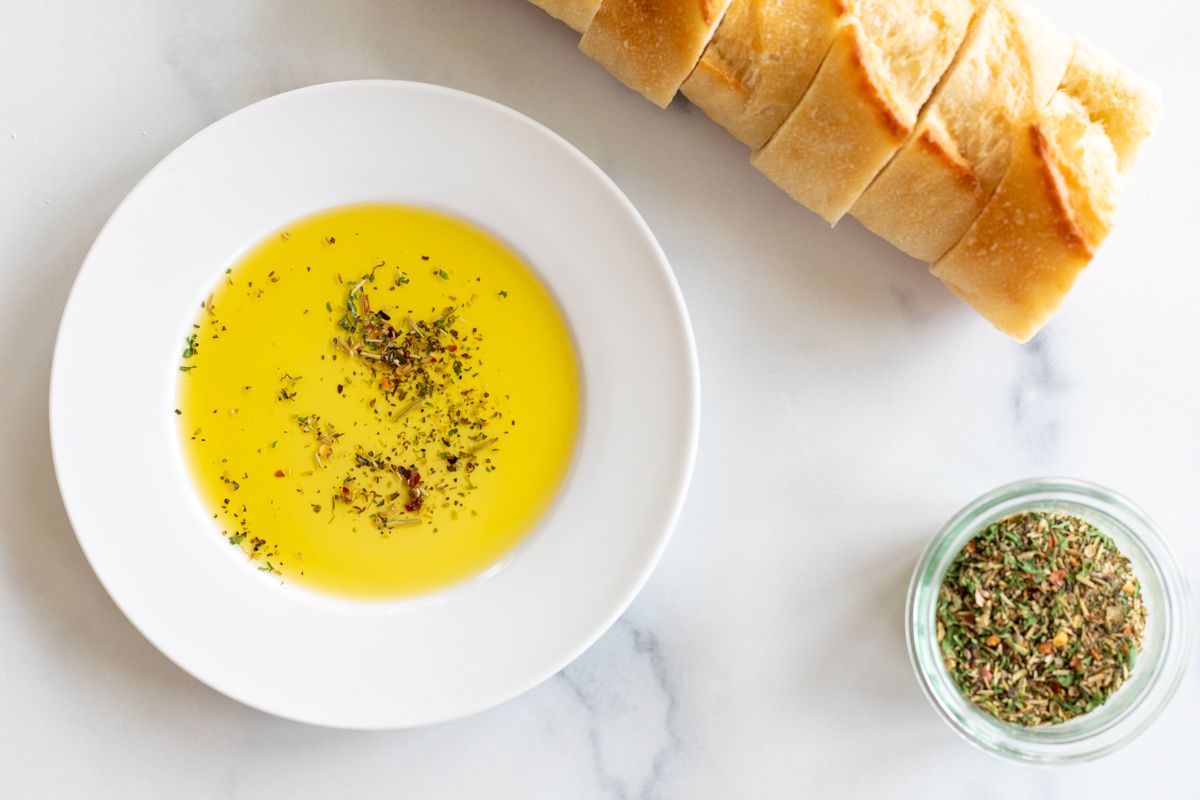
760, 61
1055, 183
937, 184
886, 58
652, 45
1055, 204
576, 13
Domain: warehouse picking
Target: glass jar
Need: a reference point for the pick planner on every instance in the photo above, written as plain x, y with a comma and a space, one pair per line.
1159, 666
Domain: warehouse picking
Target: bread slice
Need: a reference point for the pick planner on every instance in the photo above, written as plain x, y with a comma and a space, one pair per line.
937, 184
1055, 204
886, 58
759, 63
576, 13
652, 45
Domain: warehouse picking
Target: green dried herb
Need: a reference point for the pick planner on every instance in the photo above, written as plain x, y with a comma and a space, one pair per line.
414, 364
1040, 618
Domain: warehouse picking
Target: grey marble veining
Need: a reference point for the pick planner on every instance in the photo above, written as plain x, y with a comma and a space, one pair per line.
630, 709
850, 406
1038, 396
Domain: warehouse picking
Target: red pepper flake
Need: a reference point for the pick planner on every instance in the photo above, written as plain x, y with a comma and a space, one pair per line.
280, 473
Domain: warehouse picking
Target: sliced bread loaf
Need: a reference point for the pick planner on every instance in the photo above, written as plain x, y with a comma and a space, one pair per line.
1055, 204
652, 45
937, 184
759, 63
886, 58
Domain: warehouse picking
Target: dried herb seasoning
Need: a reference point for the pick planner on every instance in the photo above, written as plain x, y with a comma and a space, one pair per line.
1040, 618
414, 366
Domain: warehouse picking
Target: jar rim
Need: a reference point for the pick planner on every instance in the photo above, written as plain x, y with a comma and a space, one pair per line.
1161, 662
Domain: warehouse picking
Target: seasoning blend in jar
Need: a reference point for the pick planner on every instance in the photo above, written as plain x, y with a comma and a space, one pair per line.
1048, 621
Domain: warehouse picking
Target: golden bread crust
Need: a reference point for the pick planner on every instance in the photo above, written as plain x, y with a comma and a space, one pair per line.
576, 13
863, 103
887, 110
1055, 205
652, 45
935, 143
1011, 63
759, 63
1019, 259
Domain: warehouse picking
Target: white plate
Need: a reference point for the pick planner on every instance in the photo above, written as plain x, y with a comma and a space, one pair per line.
320, 659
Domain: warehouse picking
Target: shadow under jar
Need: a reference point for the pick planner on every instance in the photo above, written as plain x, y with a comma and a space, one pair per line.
1159, 665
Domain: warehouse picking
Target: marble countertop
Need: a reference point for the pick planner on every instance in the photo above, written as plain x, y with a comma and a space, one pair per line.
850, 406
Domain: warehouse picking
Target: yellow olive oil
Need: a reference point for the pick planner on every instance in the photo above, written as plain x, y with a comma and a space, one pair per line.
378, 401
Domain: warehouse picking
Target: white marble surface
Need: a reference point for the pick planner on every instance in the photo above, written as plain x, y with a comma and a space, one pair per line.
850, 406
